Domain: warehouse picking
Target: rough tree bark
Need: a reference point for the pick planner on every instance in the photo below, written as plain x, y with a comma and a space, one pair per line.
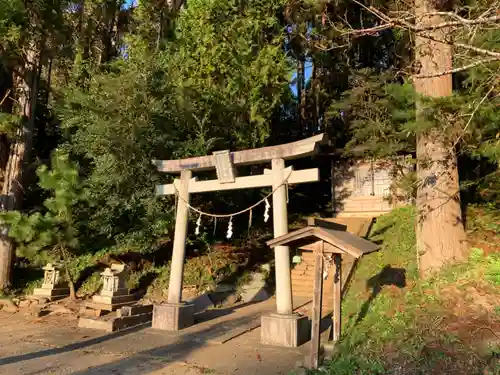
108, 32
303, 97
6, 103
26, 89
441, 237
69, 279
315, 91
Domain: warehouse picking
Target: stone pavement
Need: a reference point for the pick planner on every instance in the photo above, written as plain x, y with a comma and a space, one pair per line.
54, 345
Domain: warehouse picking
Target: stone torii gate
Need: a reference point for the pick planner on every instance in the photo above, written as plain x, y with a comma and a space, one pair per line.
175, 315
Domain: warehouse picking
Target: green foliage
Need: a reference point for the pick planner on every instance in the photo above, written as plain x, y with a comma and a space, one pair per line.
491, 263
380, 112
24, 25
348, 365
116, 126
11, 22
178, 101
396, 233
54, 230
227, 67
9, 123
383, 320
485, 217
203, 272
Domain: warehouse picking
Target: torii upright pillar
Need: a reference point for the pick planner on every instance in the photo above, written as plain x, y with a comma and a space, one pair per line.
284, 328
284, 304
175, 314
180, 234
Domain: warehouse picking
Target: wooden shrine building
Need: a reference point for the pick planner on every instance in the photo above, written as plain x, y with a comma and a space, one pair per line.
329, 242
302, 272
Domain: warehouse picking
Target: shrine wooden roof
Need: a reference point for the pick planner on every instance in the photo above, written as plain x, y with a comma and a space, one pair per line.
337, 241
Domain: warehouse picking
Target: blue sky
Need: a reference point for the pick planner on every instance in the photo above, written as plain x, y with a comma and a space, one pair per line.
308, 73
129, 3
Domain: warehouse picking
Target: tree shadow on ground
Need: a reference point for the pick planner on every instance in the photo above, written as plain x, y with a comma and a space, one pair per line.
210, 314
388, 276
150, 350
70, 347
153, 359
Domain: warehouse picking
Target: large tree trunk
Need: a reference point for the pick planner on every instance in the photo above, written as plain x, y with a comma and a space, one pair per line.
83, 43
26, 85
69, 279
6, 103
109, 32
300, 94
315, 90
303, 99
441, 237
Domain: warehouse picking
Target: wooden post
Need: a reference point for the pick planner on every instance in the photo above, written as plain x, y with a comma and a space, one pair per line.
180, 235
316, 307
337, 297
281, 253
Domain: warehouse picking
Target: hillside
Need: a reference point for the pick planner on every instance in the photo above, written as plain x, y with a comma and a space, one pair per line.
448, 324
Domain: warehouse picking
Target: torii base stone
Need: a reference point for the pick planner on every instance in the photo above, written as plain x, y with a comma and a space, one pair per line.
173, 316
284, 330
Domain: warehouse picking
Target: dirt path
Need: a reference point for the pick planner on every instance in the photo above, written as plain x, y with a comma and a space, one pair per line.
54, 345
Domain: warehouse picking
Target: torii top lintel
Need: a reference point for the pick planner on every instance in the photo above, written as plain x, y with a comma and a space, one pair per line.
294, 150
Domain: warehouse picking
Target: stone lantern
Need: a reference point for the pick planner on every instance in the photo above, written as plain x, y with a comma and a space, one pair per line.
114, 293
53, 287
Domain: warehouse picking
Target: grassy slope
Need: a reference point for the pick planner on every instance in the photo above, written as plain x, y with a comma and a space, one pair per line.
229, 263
449, 324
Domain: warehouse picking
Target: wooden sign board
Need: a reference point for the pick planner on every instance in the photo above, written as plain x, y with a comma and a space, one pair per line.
224, 167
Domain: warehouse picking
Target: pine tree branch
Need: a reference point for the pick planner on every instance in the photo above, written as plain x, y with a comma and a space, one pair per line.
370, 30
459, 69
462, 22
403, 23
390, 22
442, 25
472, 115
5, 97
464, 46
477, 49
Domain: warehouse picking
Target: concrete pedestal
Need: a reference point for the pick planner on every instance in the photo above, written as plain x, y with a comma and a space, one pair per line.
173, 316
51, 293
114, 300
284, 330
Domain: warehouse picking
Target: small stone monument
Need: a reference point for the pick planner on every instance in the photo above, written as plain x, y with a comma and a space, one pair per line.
53, 287
114, 293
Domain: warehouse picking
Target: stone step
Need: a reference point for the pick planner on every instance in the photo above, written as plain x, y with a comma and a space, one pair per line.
368, 198
112, 300
107, 306
134, 310
115, 324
